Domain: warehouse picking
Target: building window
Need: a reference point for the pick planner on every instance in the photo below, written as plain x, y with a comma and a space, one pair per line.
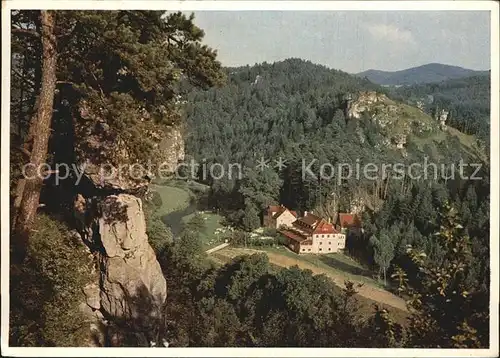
309, 250
320, 249
321, 242
329, 242
329, 249
303, 249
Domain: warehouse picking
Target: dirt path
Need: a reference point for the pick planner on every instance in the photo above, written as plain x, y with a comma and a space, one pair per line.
366, 290
217, 248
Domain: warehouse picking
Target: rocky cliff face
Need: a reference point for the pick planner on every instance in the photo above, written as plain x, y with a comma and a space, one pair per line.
396, 121
131, 288
363, 103
173, 147
132, 284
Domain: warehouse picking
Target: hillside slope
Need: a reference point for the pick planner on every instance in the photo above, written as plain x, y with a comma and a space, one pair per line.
432, 72
301, 112
267, 109
365, 290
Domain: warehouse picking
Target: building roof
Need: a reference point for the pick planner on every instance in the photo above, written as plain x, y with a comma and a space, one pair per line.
324, 227
310, 220
313, 224
293, 235
273, 209
278, 210
346, 220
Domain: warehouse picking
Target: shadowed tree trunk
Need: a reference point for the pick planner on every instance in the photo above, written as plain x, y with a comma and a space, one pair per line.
41, 124
25, 149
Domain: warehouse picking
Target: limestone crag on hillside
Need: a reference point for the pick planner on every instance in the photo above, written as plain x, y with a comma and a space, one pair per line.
396, 121
173, 148
363, 102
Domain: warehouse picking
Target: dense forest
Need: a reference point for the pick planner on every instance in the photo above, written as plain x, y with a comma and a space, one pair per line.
251, 303
467, 100
295, 110
104, 88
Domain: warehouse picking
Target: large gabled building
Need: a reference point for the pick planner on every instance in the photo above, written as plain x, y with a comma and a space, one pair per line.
277, 216
312, 234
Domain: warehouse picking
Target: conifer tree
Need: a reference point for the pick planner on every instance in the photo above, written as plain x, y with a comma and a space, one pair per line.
446, 311
111, 80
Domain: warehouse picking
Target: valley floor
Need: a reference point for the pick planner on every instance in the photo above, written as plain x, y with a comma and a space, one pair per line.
368, 292
177, 209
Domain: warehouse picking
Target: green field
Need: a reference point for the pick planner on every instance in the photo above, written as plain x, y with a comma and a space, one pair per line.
208, 236
179, 195
173, 198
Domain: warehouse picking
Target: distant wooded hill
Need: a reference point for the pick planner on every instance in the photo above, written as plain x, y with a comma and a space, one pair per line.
432, 72
467, 99
295, 109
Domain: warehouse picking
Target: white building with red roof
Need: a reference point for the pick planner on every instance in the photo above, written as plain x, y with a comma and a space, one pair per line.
312, 234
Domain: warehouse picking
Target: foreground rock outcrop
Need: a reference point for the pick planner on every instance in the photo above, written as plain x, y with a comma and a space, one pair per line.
131, 290
133, 287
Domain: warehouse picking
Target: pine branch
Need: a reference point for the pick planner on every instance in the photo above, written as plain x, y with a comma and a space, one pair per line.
24, 151
26, 32
66, 83
24, 78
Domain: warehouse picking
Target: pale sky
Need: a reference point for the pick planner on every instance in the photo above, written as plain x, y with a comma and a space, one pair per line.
352, 41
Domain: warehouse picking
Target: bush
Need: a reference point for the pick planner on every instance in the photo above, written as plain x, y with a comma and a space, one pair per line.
49, 285
280, 240
158, 233
196, 223
270, 232
261, 243
240, 238
156, 199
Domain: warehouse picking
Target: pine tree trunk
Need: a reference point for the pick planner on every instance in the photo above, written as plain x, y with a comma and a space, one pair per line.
26, 147
42, 122
386, 187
